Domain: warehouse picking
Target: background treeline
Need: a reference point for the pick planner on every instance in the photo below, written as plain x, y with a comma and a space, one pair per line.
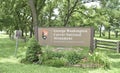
28, 14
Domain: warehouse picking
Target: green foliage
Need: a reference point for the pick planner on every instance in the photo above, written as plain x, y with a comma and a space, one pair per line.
10, 64
49, 55
100, 58
73, 57
56, 62
53, 58
56, 13
33, 51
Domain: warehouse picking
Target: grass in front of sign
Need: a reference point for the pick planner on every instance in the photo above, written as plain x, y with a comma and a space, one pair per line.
10, 64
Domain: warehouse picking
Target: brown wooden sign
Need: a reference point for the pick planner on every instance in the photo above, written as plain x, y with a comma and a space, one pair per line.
65, 36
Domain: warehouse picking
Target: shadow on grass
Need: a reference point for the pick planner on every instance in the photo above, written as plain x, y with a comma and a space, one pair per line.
115, 59
114, 56
116, 64
31, 68
7, 47
12, 68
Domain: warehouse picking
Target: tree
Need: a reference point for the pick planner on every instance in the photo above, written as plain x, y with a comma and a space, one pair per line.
70, 10
35, 10
34, 17
15, 15
111, 6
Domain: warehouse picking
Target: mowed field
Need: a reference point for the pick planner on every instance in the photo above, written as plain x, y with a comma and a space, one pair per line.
11, 64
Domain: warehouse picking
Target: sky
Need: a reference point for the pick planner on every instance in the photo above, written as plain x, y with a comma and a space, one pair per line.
94, 4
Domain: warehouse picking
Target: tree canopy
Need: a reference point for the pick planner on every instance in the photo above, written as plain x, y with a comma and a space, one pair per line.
26, 15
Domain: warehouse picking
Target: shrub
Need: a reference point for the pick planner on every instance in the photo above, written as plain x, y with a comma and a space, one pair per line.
48, 55
33, 51
56, 62
100, 58
73, 57
58, 59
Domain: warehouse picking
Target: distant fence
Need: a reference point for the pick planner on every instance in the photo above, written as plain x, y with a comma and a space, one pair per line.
108, 44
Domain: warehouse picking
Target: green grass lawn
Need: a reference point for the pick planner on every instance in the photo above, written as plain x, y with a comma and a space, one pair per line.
11, 64
106, 36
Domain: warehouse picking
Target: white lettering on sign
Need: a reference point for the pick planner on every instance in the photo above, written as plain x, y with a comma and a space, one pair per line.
65, 36
80, 31
60, 34
62, 31
62, 38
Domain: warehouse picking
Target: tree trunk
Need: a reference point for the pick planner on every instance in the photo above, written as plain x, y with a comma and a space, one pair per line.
94, 33
31, 33
100, 30
69, 12
22, 32
116, 34
34, 17
49, 20
31, 30
109, 33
